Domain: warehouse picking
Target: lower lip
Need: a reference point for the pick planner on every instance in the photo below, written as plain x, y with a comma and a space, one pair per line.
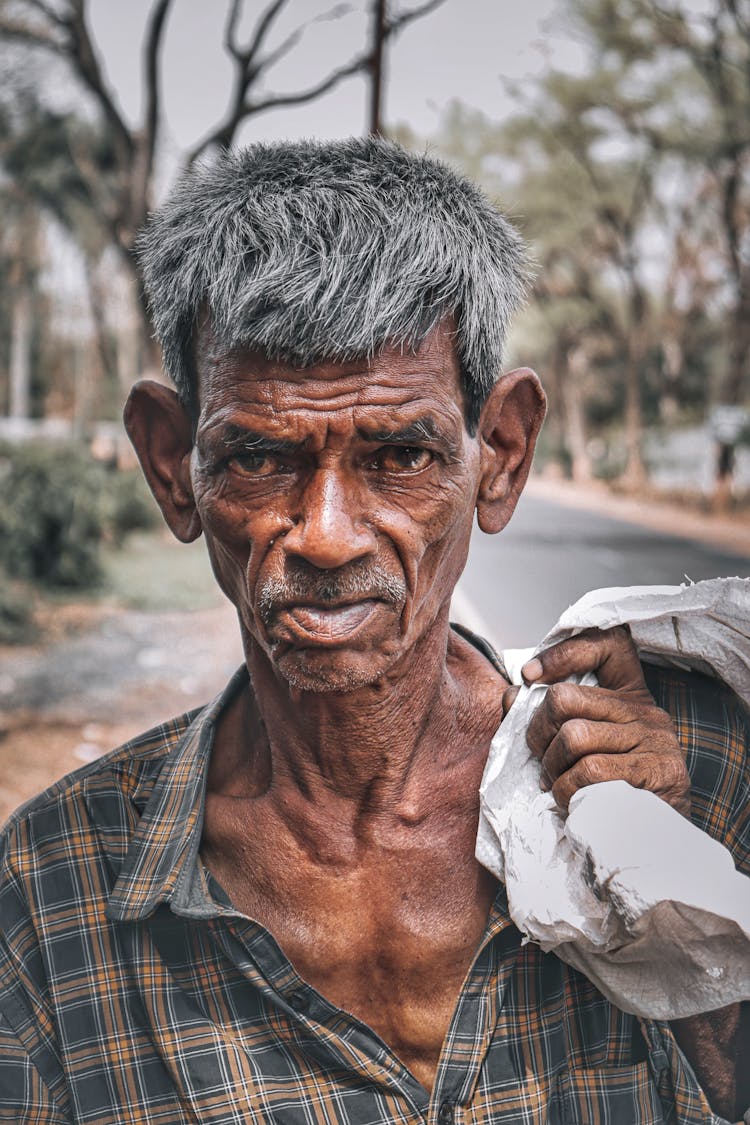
320, 625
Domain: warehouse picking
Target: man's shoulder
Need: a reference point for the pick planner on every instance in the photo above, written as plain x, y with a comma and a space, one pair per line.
713, 728
101, 791
703, 707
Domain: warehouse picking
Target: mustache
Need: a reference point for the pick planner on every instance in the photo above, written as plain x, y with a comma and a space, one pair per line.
302, 582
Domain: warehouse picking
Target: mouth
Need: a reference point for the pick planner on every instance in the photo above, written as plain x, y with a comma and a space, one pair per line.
324, 624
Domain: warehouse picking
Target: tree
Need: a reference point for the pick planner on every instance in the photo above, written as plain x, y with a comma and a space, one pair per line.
41, 153
119, 191
584, 211
702, 55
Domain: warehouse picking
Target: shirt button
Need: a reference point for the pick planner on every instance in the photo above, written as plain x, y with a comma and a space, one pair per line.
298, 1001
445, 1114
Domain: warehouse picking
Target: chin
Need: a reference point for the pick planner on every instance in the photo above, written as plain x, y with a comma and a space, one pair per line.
312, 672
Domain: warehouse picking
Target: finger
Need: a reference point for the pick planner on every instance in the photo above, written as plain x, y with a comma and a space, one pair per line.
580, 737
662, 774
611, 654
509, 698
567, 701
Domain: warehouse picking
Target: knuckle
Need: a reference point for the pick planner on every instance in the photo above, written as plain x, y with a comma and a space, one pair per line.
508, 699
557, 697
662, 719
592, 769
574, 736
674, 771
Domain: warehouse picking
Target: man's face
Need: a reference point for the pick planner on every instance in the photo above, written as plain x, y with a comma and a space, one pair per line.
337, 504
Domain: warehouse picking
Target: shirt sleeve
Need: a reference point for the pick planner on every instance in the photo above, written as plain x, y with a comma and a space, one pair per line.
713, 728
25, 1097
32, 1082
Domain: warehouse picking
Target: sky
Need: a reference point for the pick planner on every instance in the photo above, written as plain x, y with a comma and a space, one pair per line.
463, 50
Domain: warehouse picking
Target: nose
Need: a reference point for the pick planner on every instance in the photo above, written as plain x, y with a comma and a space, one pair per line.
328, 531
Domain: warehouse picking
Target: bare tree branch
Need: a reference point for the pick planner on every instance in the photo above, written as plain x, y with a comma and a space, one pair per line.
86, 62
300, 97
395, 25
273, 57
250, 67
34, 36
230, 31
261, 31
269, 60
48, 12
152, 91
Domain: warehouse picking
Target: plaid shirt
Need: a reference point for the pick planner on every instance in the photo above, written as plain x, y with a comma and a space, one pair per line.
132, 991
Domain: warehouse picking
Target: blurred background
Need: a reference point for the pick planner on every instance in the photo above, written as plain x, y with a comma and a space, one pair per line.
615, 133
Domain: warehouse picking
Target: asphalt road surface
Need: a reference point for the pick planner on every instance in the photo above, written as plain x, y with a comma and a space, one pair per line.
519, 582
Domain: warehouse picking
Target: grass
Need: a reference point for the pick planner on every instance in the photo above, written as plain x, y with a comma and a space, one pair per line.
152, 571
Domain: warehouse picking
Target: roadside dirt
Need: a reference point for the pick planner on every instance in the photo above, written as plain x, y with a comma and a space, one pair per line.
104, 677
730, 532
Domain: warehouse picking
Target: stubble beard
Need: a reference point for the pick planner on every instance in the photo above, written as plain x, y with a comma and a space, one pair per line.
304, 669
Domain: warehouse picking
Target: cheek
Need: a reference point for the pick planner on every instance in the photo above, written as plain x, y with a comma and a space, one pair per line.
237, 536
430, 531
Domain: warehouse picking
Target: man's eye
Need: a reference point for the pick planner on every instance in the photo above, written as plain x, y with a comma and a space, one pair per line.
403, 458
252, 464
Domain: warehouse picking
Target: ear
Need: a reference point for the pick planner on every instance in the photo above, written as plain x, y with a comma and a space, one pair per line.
508, 427
161, 433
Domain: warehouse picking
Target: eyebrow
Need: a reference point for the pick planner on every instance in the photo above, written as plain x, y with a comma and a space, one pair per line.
421, 429
235, 439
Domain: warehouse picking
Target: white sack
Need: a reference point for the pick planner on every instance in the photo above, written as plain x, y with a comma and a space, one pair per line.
625, 889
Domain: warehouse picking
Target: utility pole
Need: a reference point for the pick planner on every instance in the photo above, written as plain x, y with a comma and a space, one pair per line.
376, 66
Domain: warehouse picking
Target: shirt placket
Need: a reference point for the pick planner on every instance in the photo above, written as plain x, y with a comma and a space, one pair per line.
335, 1038
471, 1032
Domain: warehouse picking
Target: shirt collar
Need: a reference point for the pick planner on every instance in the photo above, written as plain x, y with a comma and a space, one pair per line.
161, 864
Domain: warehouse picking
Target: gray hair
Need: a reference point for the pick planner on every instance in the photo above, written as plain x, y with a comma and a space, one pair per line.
312, 251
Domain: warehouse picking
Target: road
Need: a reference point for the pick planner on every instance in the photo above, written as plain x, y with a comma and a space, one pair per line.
65, 702
519, 582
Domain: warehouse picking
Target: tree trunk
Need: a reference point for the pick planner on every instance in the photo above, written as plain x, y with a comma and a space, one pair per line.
672, 365
634, 475
105, 345
20, 354
376, 67
574, 415
734, 391
138, 355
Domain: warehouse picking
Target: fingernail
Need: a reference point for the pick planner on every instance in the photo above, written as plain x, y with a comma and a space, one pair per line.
532, 670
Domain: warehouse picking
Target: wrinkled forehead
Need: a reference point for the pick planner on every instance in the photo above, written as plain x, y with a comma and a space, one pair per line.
394, 373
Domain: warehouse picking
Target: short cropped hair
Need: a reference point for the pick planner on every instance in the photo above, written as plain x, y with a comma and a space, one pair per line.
312, 251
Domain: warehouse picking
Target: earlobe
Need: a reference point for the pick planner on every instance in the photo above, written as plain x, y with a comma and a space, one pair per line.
160, 431
509, 425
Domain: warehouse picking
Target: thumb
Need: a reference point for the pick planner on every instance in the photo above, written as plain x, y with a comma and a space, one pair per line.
609, 653
509, 698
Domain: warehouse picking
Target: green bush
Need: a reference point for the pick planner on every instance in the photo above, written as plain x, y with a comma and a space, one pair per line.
57, 507
131, 507
16, 612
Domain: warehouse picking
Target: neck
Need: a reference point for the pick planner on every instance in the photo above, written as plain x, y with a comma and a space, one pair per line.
363, 745
363, 769
370, 752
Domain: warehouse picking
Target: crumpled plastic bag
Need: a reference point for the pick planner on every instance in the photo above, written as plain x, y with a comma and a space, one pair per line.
625, 889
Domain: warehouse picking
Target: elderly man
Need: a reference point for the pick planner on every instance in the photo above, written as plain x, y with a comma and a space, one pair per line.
270, 910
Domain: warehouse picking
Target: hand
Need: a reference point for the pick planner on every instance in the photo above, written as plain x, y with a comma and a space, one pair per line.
610, 732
